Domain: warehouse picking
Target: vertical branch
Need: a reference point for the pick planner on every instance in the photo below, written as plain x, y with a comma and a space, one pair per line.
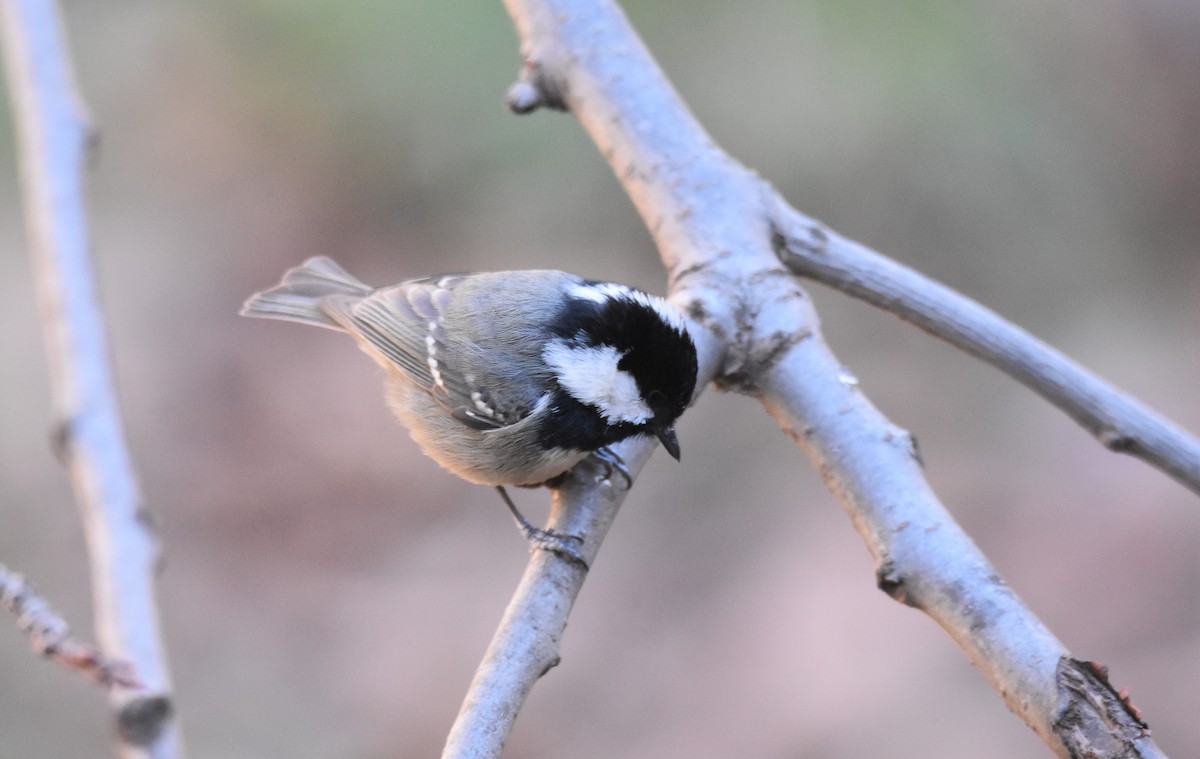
54, 137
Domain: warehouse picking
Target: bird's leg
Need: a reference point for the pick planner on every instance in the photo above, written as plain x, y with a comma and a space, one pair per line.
564, 545
612, 463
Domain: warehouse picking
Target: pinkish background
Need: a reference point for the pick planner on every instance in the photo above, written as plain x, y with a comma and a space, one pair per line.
328, 591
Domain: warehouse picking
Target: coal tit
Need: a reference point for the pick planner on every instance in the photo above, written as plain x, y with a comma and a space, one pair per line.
507, 378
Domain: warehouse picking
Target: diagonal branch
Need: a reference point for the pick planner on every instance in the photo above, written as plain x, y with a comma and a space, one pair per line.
526, 644
50, 636
54, 137
1118, 421
924, 559
717, 227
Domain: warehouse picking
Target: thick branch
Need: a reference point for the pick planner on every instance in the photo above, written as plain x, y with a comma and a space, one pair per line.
1118, 421
54, 136
716, 226
924, 559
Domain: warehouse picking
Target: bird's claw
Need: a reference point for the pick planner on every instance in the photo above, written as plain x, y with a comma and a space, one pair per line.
562, 544
611, 462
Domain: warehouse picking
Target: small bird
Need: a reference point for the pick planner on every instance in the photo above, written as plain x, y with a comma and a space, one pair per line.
508, 378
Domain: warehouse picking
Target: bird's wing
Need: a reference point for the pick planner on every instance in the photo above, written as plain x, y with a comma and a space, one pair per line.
405, 326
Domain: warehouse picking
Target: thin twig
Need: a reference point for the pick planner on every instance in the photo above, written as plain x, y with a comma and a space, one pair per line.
717, 228
54, 137
50, 636
526, 643
1118, 421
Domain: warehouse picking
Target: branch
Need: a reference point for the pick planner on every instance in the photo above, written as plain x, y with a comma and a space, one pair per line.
50, 636
717, 228
54, 136
924, 559
525, 646
1118, 421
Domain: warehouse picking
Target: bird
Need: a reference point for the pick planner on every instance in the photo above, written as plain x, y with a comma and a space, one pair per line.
510, 377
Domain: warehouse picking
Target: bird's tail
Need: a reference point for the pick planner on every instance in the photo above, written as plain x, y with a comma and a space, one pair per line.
297, 297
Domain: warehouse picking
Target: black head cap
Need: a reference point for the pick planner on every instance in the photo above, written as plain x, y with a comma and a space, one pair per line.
654, 346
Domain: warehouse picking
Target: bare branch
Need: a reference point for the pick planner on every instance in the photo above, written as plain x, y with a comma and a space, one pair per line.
1118, 421
525, 645
717, 228
54, 138
922, 557
50, 636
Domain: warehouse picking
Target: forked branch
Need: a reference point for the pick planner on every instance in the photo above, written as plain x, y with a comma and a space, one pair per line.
732, 248
1120, 422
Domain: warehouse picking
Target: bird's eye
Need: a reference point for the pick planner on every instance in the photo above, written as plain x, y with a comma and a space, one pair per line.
654, 397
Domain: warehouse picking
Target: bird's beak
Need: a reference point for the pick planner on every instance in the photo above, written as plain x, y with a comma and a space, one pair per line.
670, 442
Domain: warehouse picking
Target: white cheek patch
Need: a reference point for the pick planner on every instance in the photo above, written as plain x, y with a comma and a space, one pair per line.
591, 376
604, 291
595, 293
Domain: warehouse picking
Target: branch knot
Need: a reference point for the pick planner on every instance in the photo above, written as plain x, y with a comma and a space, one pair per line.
534, 89
141, 720
763, 338
1094, 718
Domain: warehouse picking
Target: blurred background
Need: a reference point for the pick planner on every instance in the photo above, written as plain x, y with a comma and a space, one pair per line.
328, 591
